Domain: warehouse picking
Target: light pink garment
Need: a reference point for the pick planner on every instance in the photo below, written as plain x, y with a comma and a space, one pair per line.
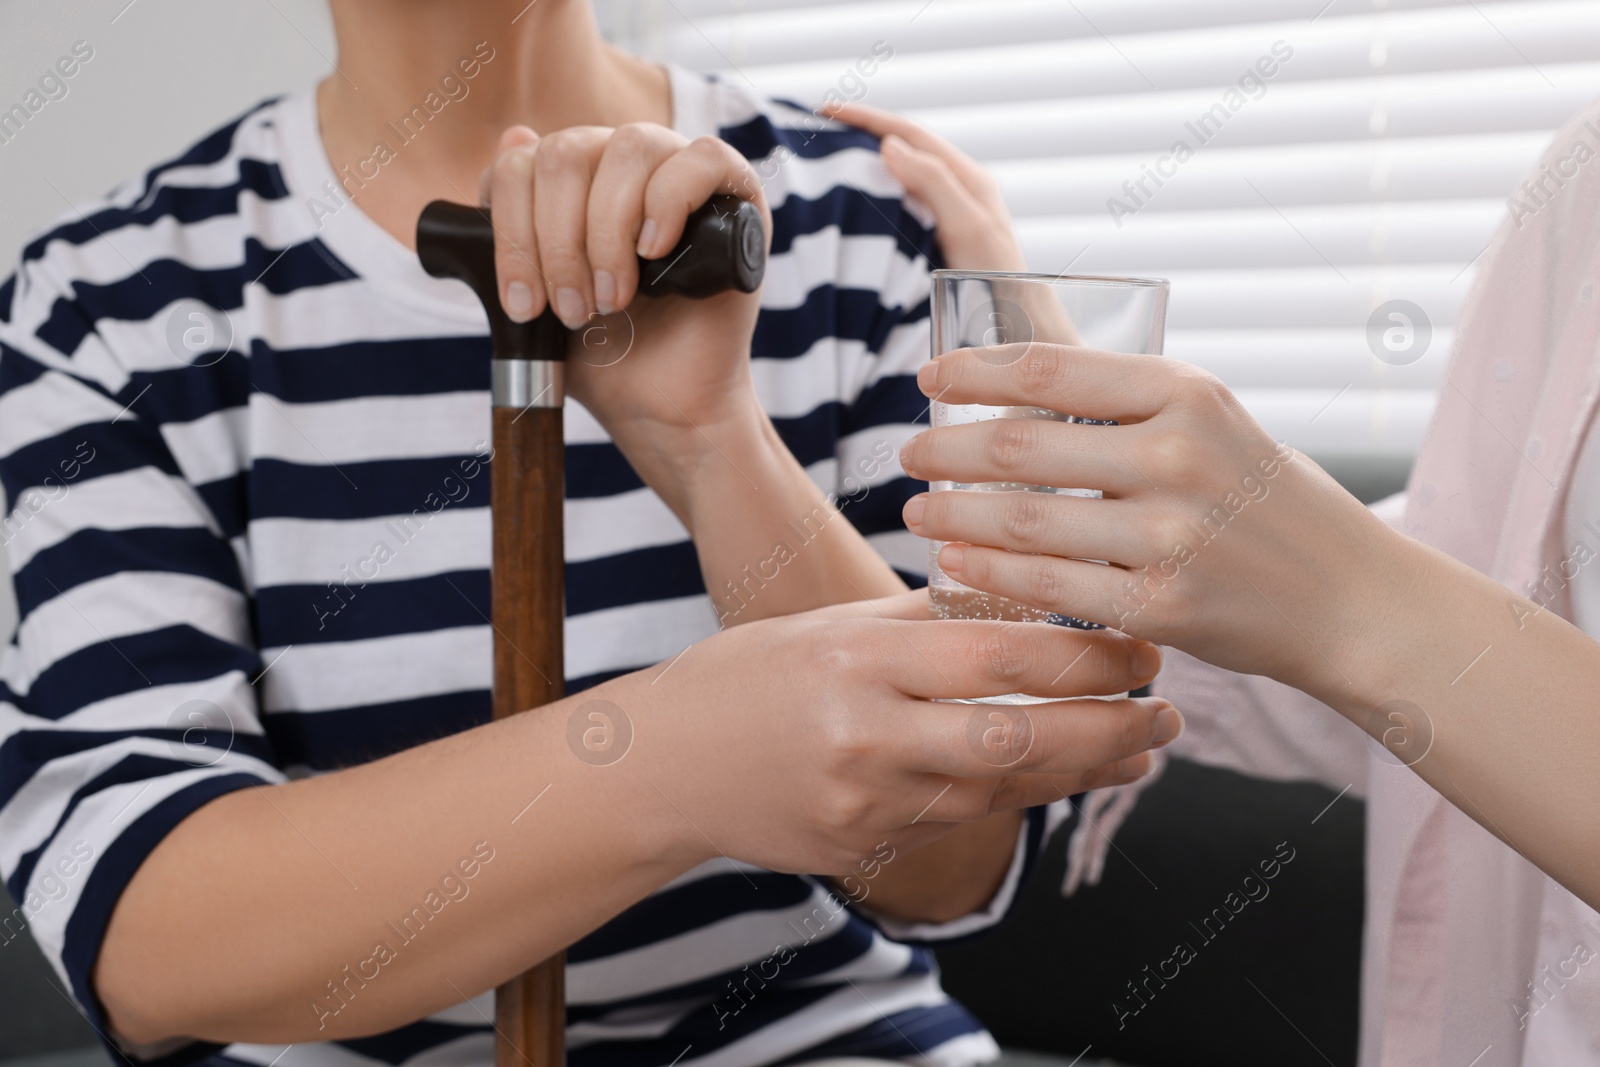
1458, 924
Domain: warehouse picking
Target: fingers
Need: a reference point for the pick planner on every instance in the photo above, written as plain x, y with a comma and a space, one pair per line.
974, 228
617, 209
886, 124
1071, 587
875, 120
688, 179
952, 659
1031, 790
946, 802
1083, 382
1085, 739
516, 253
930, 179
1057, 524
1027, 451
564, 168
573, 211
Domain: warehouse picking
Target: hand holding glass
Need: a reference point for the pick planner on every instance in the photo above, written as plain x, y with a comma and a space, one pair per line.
1000, 314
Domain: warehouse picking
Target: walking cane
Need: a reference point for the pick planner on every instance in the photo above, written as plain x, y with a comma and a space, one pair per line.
723, 247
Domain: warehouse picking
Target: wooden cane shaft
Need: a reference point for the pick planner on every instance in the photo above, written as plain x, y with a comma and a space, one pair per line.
530, 1014
529, 617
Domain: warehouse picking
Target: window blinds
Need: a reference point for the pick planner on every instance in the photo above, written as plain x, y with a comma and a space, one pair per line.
1343, 164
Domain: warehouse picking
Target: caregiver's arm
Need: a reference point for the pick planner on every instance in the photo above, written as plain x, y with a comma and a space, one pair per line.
1242, 552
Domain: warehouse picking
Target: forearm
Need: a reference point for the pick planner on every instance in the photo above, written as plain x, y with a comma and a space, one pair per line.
770, 542
237, 922
1486, 696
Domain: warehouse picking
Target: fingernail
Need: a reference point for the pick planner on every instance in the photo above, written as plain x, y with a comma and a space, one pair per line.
914, 509
950, 557
1131, 770
907, 450
605, 292
1169, 724
928, 378
569, 306
647, 237
1146, 660
519, 302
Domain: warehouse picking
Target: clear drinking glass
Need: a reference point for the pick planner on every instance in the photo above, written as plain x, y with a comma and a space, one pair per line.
988, 309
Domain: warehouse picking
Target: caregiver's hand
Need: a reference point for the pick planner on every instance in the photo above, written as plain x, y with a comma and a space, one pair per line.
972, 225
1219, 538
1244, 553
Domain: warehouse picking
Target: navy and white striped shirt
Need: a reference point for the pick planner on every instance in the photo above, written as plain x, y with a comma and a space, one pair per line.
242, 434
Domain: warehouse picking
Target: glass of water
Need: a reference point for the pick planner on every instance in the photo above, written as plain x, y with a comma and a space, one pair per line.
999, 314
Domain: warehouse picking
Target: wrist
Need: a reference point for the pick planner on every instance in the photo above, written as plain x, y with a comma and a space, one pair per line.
690, 465
1380, 609
653, 818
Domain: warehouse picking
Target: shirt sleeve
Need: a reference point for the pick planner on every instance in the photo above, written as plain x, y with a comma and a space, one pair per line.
1037, 827
126, 700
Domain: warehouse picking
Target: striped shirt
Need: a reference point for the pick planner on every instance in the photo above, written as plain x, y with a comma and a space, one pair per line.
243, 435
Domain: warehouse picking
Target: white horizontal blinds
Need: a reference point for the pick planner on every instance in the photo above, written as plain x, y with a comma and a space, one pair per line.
1374, 163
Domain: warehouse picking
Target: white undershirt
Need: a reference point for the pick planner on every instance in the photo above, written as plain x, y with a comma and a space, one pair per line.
1581, 525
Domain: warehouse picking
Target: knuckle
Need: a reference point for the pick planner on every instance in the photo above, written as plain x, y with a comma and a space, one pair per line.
561, 151
1038, 371
842, 810
986, 185
515, 163
1179, 612
1010, 443
1044, 584
708, 145
632, 140
1166, 533
1204, 388
836, 659
1025, 520
1006, 653
845, 741
1170, 456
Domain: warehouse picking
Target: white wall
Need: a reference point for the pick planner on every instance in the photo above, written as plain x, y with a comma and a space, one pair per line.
164, 72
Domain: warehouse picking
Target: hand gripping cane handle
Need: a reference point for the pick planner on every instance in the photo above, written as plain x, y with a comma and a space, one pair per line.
723, 247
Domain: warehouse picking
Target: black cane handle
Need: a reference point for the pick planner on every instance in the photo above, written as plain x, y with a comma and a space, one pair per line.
724, 246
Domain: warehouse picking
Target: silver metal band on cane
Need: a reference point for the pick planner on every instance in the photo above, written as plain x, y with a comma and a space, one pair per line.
527, 383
